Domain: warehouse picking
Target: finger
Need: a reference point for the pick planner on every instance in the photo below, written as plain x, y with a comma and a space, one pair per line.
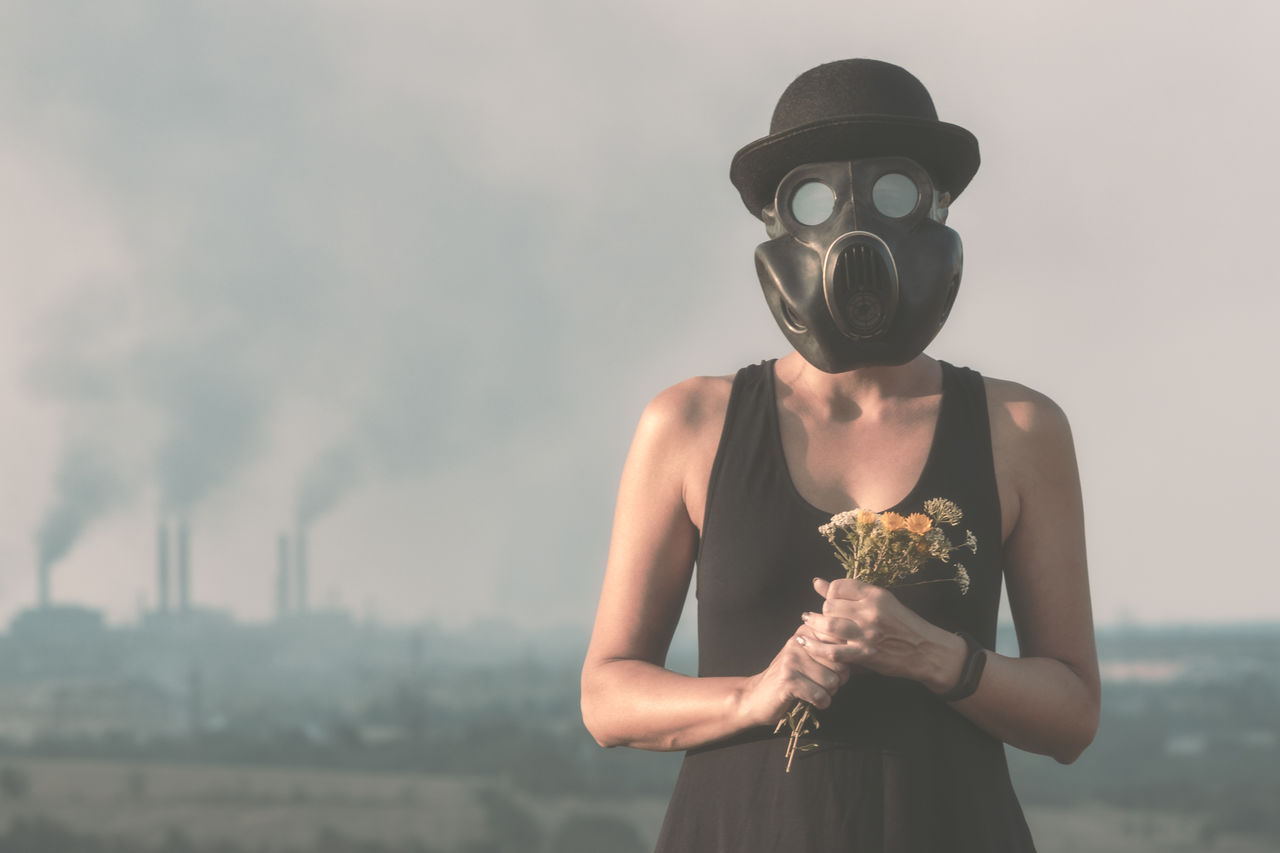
814, 694
851, 588
816, 686
836, 629
805, 680
826, 675
851, 654
811, 630
817, 650
846, 608
839, 658
808, 632
828, 649
821, 585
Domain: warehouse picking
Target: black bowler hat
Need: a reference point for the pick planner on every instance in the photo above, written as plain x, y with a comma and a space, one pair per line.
849, 109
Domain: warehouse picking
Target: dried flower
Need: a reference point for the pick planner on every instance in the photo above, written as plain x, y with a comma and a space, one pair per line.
919, 523
943, 511
892, 521
829, 531
884, 549
845, 519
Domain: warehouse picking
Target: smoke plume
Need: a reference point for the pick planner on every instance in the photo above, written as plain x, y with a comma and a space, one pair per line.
215, 419
327, 481
85, 487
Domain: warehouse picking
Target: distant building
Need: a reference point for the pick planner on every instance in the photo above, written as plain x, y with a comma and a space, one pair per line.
192, 619
58, 624
89, 707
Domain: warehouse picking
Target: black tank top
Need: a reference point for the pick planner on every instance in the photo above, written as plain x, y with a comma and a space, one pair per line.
894, 769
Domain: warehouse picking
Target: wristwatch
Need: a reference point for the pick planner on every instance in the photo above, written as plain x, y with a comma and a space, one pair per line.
971, 673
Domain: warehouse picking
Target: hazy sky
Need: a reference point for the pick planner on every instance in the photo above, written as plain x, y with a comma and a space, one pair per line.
413, 270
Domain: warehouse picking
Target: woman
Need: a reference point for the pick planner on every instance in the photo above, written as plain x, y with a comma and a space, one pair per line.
736, 474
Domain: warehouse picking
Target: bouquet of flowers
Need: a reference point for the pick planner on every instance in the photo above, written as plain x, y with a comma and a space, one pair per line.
886, 549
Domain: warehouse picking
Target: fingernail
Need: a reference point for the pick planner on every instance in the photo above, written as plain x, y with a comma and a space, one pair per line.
804, 617
800, 640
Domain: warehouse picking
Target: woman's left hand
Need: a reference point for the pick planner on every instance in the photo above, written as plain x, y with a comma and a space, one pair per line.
865, 625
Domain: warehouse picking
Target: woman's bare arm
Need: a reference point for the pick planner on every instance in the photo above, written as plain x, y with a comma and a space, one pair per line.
628, 698
1046, 700
1049, 698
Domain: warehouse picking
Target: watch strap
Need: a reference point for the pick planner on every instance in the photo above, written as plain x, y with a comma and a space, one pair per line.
971, 673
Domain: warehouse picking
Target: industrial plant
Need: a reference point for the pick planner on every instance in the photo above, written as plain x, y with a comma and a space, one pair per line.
182, 668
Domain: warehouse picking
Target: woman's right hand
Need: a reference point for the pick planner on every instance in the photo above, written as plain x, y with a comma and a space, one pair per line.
792, 676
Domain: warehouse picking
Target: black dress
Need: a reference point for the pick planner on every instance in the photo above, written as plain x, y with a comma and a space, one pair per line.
896, 770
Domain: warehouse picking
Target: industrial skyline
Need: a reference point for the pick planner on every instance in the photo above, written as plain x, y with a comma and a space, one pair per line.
410, 279
174, 575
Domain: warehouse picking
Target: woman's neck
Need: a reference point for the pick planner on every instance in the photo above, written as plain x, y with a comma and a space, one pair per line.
845, 395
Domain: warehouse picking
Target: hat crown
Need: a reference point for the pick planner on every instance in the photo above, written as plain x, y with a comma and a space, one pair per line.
851, 87
847, 110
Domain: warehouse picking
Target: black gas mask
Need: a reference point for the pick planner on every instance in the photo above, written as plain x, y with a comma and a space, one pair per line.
861, 269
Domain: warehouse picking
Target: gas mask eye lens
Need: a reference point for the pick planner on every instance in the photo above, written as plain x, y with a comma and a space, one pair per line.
812, 203
895, 195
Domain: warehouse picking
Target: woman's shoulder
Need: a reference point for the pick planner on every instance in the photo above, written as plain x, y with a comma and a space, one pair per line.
1023, 410
1031, 441
691, 406
680, 431
1032, 446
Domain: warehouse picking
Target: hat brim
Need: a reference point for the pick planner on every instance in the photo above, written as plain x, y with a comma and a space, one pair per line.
948, 151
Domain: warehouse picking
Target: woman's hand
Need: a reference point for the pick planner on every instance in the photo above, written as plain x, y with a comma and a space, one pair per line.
793, 675
864, 625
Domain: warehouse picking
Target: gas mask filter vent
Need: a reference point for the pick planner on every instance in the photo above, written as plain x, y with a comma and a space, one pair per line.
863, 284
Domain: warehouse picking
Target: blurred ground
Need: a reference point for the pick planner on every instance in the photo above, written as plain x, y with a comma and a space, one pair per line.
276, 809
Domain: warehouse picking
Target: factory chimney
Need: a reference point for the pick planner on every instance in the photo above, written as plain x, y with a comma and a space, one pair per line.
282, 577
184, 567
162, 568
300, 570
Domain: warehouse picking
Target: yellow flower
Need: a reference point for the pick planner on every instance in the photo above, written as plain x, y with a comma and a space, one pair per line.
919, 523
892, 521
865, 516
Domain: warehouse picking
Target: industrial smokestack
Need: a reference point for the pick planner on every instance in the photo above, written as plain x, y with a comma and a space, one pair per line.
300, 568
184, 567
162, 568
282, 577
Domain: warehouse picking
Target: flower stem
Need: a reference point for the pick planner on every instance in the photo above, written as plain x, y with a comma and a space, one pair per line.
795, 735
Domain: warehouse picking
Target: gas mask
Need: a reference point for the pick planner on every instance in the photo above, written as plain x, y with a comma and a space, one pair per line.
861, 269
